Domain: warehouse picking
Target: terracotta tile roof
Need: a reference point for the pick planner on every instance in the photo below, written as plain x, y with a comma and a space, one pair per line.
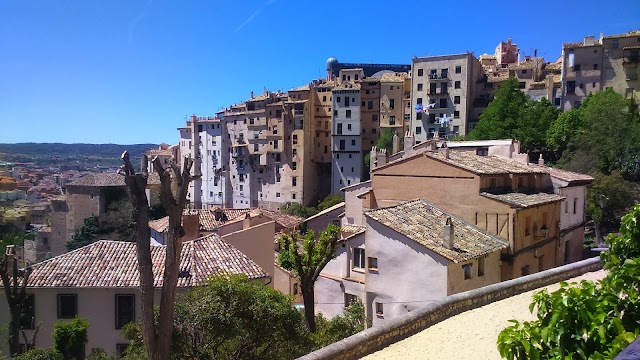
263, 96
497, 77
392, 77
525, 200
347, 86
528, 64
627, 34
553, 66
114, 264
207, 217
301, 88
424, 224
565, 175
488, 165
571, 45
349, 231
109, 179
285, 220
160, 225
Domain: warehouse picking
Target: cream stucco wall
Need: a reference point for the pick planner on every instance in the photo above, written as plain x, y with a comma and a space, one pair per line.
257, 243
353, 205
455, 274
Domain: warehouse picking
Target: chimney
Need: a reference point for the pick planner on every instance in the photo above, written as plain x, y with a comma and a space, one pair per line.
540, 160
408, 142
252, 94
396, 142
218, 214
589, 40
246, 222
382, 157
448, 234
191, 226
445, 150
373, 158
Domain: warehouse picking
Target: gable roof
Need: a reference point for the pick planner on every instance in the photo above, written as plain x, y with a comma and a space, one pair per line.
114, 264
486, 165
424, 224
571, 177
326, 211
521, 200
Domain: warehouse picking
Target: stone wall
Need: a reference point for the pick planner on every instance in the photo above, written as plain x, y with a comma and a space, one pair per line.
374, 339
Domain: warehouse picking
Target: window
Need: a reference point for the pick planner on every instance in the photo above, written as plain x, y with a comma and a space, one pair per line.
527, 226
443, 103
67, 306
418, 130
278, 113
392, 120
444, 73
419, 116
576, 67
521, 85
294, 165
566, 207
614, 43
481, 266
335, 112
373, 263
595, 66
456, 114
467, 271
392, 104
458, 69
343, 145
419, 101
456, 99
277, 194
28, 315
358, 258
339, 128
443, 87
348, 115
324, 98
557, 101
571, 87
241, 188
125, 310
525, 270
575, 206
524, 71
353, 142
349, 127
349, 299
338, 99
379, 309
295, 139
294, 181
419, 87
420, 72
346, 101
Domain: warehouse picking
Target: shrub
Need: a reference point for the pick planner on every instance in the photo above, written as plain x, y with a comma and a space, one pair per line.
40, 354
69, 337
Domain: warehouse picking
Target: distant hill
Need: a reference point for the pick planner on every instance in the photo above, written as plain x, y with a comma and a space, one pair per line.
88, 155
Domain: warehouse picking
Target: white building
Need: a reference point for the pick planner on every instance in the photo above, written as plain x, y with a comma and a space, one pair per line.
346, 140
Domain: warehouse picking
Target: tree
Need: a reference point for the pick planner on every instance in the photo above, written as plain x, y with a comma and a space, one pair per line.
385, 141
85, 234
297, 209
607, 138
330, 201
607, 200
586, 320
14, 281
339, 327
307, 256
564, 129
40, 354
532, 125
174, 185
69, 337
502, 117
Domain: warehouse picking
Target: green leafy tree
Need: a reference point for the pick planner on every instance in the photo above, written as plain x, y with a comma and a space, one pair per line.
502, 117
607, 200
532, 125
586, 320
40, 354
297, 209
339, 327
85, 234
69, 337
385, 141
307, 255
330, 201
564, 129
607, 138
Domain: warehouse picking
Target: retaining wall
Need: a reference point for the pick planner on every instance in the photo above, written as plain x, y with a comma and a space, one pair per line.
374, 339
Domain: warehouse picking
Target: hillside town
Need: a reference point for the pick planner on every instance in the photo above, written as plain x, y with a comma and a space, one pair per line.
377, 168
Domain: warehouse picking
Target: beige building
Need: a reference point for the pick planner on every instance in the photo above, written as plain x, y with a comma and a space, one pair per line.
597, 64
100, 282
443, 91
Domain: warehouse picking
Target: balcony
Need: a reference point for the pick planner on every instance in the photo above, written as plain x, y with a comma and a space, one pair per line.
438, 77
631, 59
238, 152
298, 112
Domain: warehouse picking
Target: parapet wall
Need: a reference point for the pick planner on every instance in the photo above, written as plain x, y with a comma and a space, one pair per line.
374, 339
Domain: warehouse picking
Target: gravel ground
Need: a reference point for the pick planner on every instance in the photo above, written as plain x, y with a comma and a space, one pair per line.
470, 335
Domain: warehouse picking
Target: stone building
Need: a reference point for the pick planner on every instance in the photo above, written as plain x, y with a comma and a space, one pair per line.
346, 139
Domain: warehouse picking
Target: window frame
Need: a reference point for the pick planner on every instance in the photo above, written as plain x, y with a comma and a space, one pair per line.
359, 259
59, 306
118, 324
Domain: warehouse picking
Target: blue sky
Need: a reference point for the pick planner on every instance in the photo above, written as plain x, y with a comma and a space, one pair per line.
129, 71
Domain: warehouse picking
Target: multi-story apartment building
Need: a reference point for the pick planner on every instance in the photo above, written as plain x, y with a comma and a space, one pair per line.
395, 101
596, 64
346, 139
370, 115
442, 94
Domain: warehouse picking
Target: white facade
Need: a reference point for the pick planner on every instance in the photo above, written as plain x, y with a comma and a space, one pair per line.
239, 169
346, 140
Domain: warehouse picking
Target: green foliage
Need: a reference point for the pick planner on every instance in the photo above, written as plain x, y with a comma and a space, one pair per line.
531, 127
69, 337
385, 141
297, 209
330, 201
339, 327
564, 129
605, 138
585, 320
11, 238
85, 234
40, 354
608, 198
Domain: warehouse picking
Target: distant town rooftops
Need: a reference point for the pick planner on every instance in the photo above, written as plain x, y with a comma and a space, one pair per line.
109, 179
424, 223
347, 86
114, 264
524, 200
490, 165
631, 33
527, 64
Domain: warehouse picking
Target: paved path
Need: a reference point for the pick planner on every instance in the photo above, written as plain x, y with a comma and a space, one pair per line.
470, 335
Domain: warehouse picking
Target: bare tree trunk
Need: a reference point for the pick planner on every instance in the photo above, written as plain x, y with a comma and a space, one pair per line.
308, 298
173, 192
